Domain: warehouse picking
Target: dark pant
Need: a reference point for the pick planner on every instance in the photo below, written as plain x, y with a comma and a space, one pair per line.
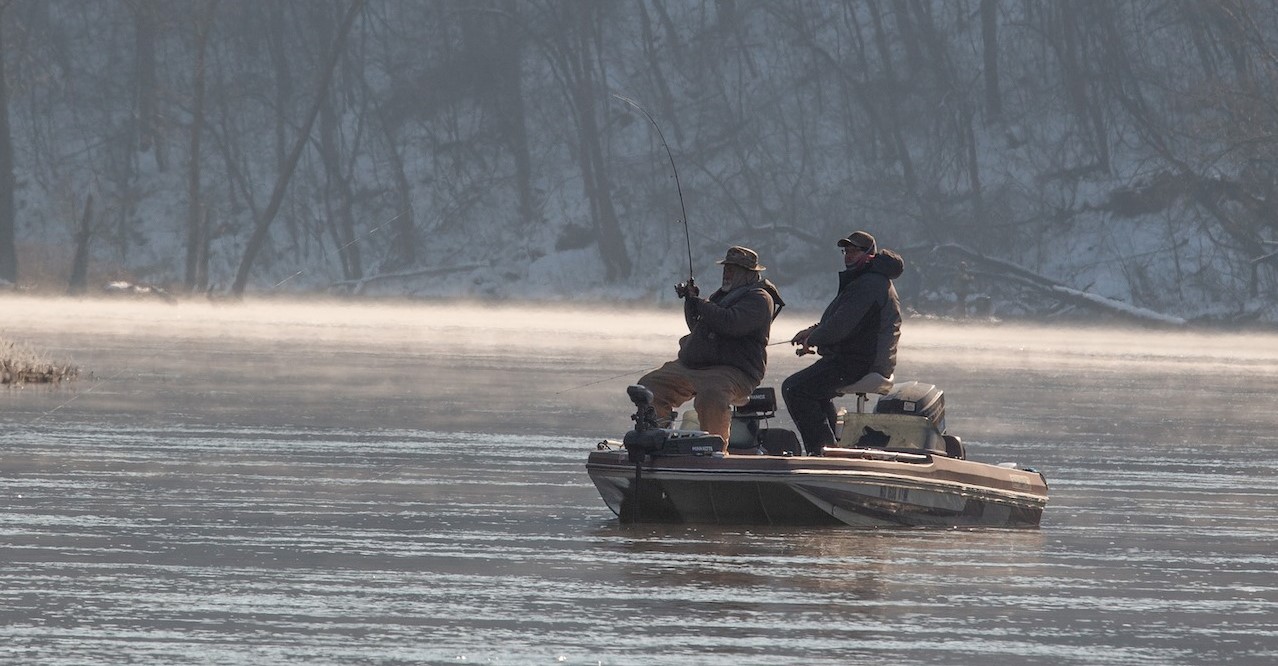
809, 397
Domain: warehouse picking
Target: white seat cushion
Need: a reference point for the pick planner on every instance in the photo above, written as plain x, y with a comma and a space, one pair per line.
871, 383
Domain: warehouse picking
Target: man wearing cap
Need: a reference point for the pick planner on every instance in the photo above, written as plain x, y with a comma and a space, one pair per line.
723, 357
857, 334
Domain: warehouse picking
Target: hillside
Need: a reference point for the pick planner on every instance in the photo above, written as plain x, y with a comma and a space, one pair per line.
1081, 158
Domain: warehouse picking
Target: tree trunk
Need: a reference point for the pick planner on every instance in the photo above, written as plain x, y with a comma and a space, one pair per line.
150, 137
989, 51
403, 249
338, 196
894, 129
283, 78
513, 116
573, 49
258, 238
195, 212
651, 52
1076, 74
612, 243
8, 240
202, 254
80, 264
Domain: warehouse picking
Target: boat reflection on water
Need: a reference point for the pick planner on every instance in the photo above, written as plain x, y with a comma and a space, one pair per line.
901, 470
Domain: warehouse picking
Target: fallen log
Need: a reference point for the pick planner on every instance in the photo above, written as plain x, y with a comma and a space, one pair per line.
1063, 293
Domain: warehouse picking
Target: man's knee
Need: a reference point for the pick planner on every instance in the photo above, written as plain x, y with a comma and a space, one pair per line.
652, 378
791, 389
717, 401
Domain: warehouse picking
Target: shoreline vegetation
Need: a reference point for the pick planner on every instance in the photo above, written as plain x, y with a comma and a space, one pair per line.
22, 364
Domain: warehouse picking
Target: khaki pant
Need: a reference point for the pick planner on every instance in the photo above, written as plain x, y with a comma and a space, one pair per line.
714, 390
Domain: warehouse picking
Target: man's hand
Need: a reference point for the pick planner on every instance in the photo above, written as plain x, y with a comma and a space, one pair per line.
800, 340
686, 289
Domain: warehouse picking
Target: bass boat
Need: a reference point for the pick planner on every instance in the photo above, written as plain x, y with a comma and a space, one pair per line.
895, 466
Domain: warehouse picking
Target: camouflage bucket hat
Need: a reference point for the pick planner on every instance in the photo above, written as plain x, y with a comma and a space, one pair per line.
743, 257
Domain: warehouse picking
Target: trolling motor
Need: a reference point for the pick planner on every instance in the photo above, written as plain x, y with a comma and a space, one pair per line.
647, 437
645, 417
650, 439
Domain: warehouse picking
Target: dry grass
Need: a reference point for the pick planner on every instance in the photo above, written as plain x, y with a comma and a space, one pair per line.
20, 364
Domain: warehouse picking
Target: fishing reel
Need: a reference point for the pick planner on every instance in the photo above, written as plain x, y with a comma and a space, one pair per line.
684, 289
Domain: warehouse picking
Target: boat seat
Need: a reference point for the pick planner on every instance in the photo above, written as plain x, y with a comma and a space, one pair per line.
872, 382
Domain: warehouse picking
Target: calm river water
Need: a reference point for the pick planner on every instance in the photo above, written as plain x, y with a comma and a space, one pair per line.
404, 484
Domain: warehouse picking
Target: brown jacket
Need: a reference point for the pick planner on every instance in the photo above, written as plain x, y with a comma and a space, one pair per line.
731, 328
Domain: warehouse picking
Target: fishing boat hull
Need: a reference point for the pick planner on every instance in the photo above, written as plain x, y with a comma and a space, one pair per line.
897, 467
856, 487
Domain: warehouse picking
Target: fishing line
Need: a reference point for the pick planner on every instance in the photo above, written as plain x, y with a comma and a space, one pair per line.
277, 284
606, 379
687, 237
361, 237
77, 396
370, 232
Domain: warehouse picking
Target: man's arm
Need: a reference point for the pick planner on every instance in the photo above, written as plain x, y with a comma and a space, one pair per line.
748, 314
854, 304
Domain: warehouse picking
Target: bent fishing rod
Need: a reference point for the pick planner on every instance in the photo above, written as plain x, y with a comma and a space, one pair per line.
687, 237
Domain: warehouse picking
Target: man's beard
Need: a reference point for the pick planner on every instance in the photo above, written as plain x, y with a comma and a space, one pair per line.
741, 279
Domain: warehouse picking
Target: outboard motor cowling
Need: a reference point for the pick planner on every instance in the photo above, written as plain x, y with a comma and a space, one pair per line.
915, 398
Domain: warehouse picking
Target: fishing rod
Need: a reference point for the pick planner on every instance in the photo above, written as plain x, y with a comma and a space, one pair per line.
687, 237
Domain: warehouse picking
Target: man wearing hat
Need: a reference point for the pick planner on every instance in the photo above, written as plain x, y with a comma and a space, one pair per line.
857, 334
723, 357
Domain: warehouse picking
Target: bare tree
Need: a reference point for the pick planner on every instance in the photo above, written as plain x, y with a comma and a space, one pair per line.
573, 41
197, 231
8, 242
989, 54
258, 239
146, 17
79, 281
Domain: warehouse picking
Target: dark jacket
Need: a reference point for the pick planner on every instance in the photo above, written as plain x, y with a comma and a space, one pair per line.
730, 328
864, 319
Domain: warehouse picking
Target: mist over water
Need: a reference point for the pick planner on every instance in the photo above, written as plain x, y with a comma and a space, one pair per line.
404, 482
